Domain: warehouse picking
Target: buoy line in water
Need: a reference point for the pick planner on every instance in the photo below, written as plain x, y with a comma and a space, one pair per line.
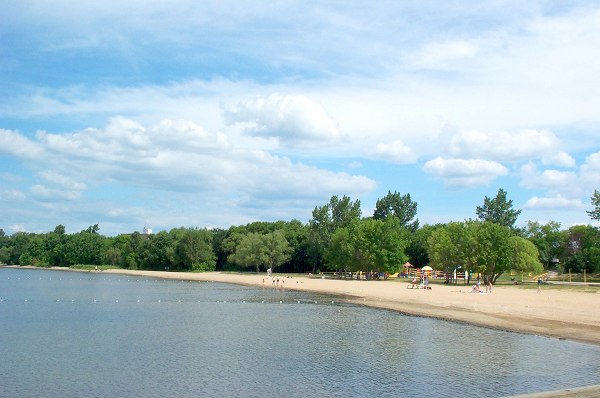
8, 301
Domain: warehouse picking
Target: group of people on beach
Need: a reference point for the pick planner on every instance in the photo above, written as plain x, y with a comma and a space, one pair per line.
275, 280
421, 282
478, 289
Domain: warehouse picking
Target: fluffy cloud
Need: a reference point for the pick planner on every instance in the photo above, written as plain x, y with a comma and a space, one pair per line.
509, 147
13, 143
555, 180
292, 119
173, 156
394, 152
590, 172
555, 202
461, 173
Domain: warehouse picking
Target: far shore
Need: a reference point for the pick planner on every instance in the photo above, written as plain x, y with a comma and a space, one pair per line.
557, 313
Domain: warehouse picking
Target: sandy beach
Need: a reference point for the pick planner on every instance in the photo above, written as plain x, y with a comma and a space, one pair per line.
558, 313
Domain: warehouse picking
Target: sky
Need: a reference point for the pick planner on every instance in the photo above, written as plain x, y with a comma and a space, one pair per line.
210, 114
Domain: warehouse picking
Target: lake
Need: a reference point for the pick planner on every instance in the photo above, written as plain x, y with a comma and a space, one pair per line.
72, 334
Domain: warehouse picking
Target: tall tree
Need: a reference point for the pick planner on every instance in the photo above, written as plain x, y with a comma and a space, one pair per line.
547, 238
498, 210
525, 256
194, 250
338, 213
277, 248
368, 244
398, 206
595, 214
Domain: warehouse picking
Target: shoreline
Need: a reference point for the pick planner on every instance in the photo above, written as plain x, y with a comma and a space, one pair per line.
555, 313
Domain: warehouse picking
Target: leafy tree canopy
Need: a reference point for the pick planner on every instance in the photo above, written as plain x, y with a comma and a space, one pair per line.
498, 210
398, 206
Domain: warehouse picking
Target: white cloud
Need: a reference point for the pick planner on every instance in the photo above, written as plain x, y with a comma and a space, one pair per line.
15, 144
12, 195
590, 172
553, 180
292, 119
442, 55
509, 147
62, 181
464, 173
175, 156
555, 202
48, 194
560, 159
394, 152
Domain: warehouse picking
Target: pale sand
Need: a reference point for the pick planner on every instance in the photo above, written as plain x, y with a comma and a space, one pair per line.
563, 313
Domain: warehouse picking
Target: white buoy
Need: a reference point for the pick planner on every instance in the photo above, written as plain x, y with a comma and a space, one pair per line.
57, 300
280, 301
298, 301
159, 301
26, 300
331, 301
95, 300
116, 301
263, 301
138, 301
315, 302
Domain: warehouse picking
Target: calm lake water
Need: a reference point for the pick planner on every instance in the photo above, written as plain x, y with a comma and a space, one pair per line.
66, 334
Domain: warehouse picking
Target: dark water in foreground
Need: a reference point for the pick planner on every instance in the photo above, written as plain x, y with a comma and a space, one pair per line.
68, 334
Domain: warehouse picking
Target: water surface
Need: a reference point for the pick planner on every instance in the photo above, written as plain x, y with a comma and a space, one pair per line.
94, 334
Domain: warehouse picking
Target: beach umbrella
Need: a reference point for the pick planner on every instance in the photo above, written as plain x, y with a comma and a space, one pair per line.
427, 269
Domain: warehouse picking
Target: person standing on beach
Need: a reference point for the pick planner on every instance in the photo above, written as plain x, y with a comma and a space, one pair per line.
539, 284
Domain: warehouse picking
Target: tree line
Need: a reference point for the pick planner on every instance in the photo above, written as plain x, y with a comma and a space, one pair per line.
336, 238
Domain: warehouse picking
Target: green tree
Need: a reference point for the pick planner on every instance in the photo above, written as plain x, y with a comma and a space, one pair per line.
525, 255
368, 245
493, 250
34, 252
581, 248
250, 252
194, 250
296, 233
595, 214
547, 239
399, 206
326, 219
498, 210
261, 250
277, 248
454, 245
417, 252
112, 256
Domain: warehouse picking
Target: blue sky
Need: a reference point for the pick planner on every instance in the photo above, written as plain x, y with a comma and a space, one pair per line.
214, 113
